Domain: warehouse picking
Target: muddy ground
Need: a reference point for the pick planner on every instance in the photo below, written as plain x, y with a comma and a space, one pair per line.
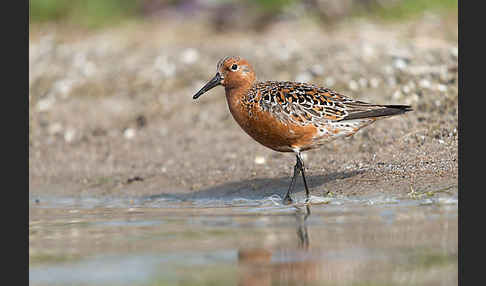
111, 110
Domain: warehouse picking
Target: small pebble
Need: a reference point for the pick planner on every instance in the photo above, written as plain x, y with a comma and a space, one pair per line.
406, 89
441, 88
134, 179
45, 103
455, 51
189, 56
54, 128
259, 160
64, 87
129, 133
374, 82
424, 83
397, 94
317, 69
400, 64
69, 135
353, 85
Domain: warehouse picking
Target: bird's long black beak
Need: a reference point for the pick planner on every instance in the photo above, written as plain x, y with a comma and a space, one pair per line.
215, 81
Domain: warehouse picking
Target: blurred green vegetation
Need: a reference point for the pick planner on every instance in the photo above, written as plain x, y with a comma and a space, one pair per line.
96, 13
406, 8
272, 5
90, 13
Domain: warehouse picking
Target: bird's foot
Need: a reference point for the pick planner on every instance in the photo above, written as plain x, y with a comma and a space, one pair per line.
287, 200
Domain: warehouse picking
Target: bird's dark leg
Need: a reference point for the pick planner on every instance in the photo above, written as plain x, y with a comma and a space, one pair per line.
302, 168
288, 200
299, 167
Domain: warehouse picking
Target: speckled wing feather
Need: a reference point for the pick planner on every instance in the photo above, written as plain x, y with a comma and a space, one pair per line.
304, 103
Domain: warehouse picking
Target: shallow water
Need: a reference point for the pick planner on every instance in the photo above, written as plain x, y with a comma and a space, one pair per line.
153, 241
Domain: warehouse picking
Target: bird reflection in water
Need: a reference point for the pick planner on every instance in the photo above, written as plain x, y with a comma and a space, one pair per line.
264, 266
302, 228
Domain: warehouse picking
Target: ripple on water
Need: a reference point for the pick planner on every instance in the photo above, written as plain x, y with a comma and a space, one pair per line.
270, 203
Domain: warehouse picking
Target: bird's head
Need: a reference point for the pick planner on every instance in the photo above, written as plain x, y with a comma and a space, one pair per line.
232, 72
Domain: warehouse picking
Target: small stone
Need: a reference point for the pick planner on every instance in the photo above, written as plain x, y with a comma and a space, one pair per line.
141, 121
45, 103
54, 128
441, 87
397, 94
189, 56
69, 135
259, 160
406, 89
64, 87
454, 51
412, 98
424, 83
317, 69
353, 85
134, 179
374, 82
400, 64
129, 133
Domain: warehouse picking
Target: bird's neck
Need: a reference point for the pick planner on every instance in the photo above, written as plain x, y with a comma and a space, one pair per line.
236, 94
237, 98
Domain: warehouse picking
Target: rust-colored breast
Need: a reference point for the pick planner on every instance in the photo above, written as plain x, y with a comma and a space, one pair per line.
267, 128
277, 135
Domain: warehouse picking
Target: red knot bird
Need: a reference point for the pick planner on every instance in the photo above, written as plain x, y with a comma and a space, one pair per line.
291, 116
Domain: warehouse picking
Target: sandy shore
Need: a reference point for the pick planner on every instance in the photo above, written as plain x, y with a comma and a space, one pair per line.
111, 111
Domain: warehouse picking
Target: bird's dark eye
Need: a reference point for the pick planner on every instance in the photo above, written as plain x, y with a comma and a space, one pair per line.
234, 67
